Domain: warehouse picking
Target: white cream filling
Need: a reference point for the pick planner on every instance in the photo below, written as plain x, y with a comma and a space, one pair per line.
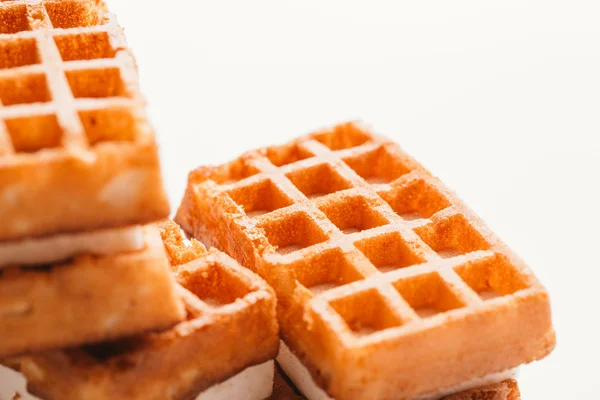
55, 248
11, 383
299, 374
253, 383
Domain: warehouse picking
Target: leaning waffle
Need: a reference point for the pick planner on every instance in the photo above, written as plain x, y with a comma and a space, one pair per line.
387, 284
76, 150
87, 299
231, 325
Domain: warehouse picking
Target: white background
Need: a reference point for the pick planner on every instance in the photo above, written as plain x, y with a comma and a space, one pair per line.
501, 99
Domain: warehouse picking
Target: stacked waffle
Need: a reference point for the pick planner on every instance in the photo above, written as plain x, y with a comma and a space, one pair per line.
223, 349
91, 304
79, 173
388, 285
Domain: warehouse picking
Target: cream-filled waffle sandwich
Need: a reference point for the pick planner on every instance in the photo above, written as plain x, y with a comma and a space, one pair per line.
79, 177
224, 349
79, 167
388, 285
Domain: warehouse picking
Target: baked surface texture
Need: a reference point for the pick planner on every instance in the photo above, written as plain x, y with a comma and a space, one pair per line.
388, 285
76, 150
231, 324
88, 299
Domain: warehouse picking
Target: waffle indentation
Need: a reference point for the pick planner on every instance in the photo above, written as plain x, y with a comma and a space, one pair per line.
74, 13
96, 83
428, 294
452, 236
30, 134
226, 174
259, 198
22, 89
287, 154
342, 137
492, 277
378, 165
388, 252
214, 284
17, 52
325, 270
352, 213
318, 180
84, 46
416, 199
111, 124
13, 18
292, 232
366, 312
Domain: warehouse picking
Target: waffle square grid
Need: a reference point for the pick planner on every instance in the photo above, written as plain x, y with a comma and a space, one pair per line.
60, 62
377, 265
69, 99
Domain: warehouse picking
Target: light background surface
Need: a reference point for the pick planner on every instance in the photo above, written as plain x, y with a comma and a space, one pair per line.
500, 99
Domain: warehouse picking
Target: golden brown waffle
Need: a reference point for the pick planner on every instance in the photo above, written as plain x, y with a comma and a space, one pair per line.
76, 150
388, 285
231, 325
87, 299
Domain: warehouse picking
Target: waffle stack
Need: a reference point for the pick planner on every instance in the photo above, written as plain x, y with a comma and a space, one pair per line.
230, 327
388, 285
79, 175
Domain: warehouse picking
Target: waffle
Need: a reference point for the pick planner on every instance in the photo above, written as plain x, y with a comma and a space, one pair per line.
388, 285
87, 299
231, 325
76, 149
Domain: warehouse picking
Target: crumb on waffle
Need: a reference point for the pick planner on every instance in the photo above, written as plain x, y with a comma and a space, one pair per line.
387, 282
